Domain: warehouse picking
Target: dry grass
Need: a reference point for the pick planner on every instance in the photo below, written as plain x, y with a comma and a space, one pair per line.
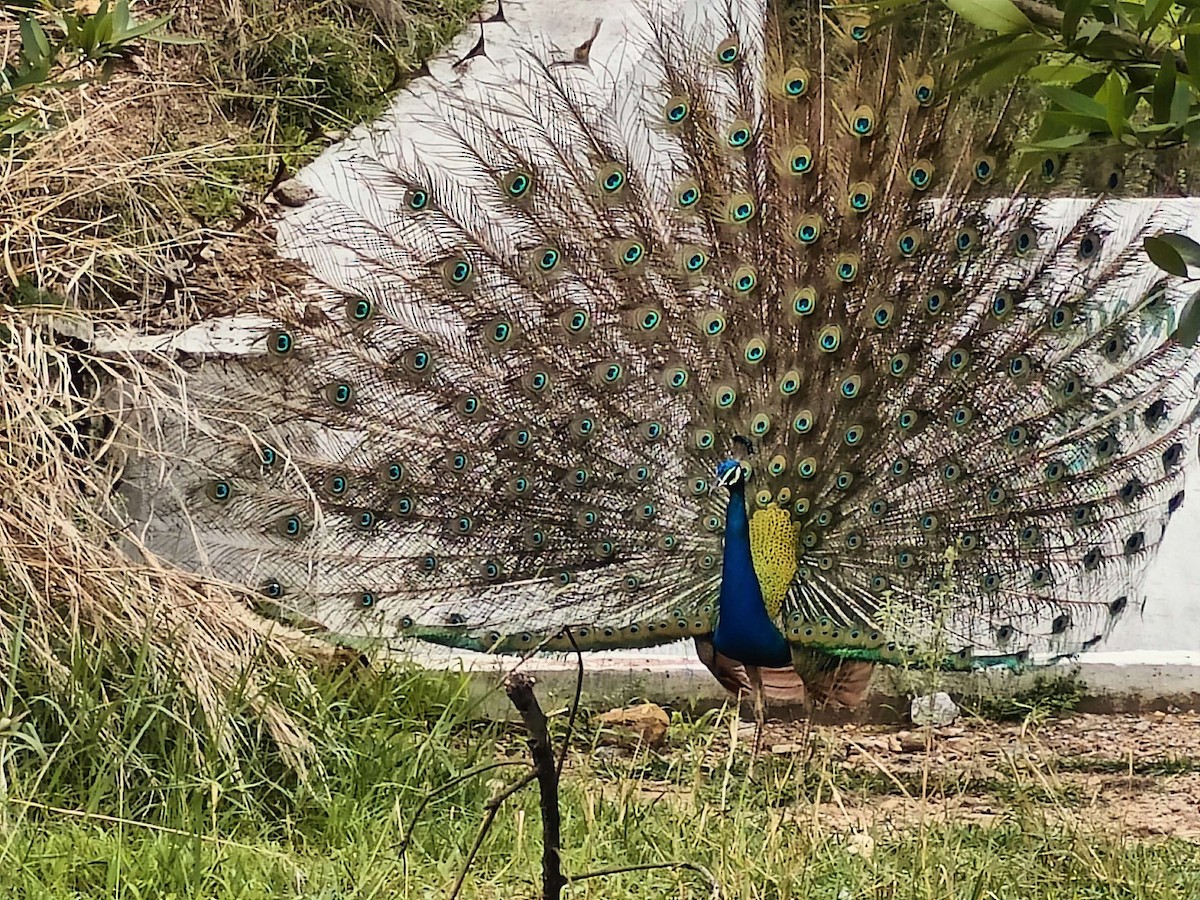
69, 588
148, 194
107, 211
142, 207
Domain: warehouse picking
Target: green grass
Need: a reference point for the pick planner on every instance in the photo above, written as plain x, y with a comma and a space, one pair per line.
327, 63
294, 73
1048, 696
119, 797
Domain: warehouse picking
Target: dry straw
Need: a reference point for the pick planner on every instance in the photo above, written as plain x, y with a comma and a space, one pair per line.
94, 214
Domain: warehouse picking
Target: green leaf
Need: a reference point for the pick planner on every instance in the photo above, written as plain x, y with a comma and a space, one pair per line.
1187, 327
1188, 249
1166, 257
146, 28
19, 125
1008, 72
992, 15
1114, 103
1058, 73
980, 50
1065, 122
1075, 102
1164, 89
180, 39
86, 42
1065, 142
34, 43
104, 28
1152, 14
120, 18
70, 24
1191, 53
1091, 85
1090, 30
1181, 103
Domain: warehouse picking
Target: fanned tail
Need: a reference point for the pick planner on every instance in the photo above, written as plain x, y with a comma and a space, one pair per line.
529, 343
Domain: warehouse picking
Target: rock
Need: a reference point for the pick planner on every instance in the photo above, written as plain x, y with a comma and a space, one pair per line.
933, 709
788, 748
910, 742
646, 723
860, 844
293, 193
874, 744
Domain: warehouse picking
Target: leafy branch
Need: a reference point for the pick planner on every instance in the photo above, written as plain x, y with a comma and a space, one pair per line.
1118, 73
1121, 74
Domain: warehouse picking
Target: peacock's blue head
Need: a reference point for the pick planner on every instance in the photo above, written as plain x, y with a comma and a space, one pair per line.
730, 473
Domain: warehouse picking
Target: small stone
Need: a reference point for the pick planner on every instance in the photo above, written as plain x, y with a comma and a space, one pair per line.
786, 749
177, 269
294, 193
878, 744
933, 709
645, 723
860, 844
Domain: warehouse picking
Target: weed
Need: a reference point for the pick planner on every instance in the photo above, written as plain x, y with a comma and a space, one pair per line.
1048, 696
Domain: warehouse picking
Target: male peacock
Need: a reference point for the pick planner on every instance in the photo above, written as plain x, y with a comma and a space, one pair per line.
764, 338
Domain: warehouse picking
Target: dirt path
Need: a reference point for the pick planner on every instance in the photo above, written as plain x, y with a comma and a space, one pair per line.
1138, 774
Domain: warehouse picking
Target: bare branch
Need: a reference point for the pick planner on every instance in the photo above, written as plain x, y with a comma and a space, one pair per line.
562, 757
493, 807
441, 789
519, 688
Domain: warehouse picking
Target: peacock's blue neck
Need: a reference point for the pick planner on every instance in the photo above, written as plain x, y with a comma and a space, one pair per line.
744, 631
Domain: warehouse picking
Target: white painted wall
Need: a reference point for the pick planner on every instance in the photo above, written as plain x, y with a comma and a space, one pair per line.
1166, 632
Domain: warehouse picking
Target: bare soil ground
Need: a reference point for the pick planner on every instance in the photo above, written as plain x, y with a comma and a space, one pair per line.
1136, 776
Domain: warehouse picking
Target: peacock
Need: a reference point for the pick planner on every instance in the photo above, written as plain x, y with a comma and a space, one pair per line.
763, 332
